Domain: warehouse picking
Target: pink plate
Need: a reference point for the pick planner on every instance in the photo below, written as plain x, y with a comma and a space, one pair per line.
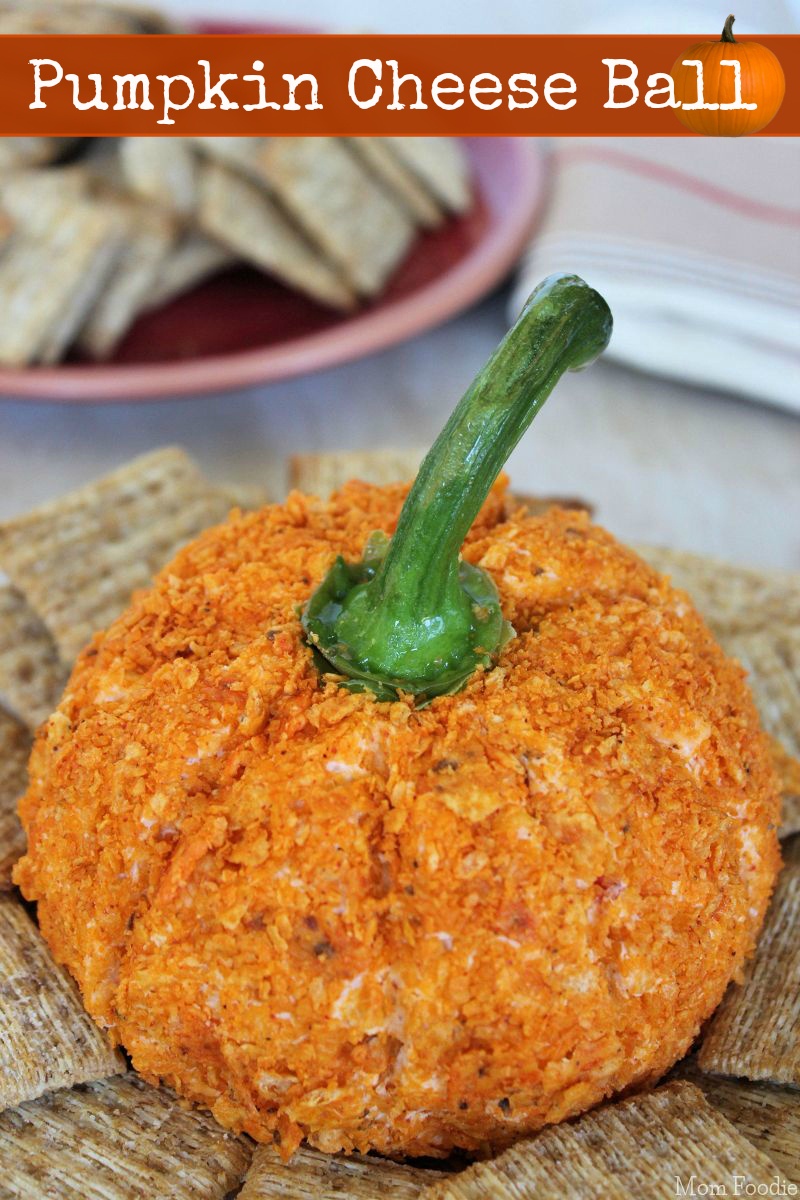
243, 328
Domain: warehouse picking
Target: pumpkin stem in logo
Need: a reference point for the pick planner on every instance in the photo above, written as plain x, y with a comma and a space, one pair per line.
727, 29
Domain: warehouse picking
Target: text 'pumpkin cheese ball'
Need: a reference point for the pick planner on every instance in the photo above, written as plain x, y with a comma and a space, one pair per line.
409, 840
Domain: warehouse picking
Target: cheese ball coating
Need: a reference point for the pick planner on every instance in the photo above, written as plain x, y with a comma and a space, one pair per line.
379, 927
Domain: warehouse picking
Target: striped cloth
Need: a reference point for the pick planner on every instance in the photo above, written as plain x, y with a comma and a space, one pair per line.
695, 243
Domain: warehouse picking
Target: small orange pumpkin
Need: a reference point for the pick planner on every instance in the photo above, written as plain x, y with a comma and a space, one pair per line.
761, 82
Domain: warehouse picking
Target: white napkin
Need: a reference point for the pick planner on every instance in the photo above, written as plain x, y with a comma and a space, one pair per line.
695, 243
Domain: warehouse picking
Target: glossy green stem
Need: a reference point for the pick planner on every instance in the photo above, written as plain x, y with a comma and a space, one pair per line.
415, 618
563, 327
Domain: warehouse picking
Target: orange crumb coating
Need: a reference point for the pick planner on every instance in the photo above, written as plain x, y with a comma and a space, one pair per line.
379, 928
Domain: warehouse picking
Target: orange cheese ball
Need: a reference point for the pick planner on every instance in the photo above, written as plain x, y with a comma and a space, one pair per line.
381, 928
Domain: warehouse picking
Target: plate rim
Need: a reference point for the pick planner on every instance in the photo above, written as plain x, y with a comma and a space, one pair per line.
427, 307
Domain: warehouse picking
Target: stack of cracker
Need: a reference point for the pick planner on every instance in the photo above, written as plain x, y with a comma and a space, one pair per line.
77, 1124
93, 235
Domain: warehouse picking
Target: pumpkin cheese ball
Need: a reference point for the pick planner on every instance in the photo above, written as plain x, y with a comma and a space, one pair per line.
397, 848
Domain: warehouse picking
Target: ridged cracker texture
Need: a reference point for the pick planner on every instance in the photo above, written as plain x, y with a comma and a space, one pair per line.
768, 1116
47, 1040
771, 657
329, 192
732, 599
440, 165
399, 181
324, 473
311, 1175
15, 746
633, 1150
78, 559
117, 1140
788, 770
755, 1033
239, 214
32, 676
51, 275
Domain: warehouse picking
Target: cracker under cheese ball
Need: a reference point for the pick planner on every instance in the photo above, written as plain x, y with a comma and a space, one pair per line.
389, 919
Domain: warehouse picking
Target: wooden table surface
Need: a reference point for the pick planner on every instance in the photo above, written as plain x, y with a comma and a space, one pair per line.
663, 463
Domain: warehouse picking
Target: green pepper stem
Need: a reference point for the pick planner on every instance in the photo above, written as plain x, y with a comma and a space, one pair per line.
413, 617
563, 326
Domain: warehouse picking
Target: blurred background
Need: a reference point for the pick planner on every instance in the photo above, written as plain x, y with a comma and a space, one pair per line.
689, 433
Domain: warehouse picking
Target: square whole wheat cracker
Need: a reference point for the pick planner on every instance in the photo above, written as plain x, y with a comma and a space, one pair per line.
238, 152
78, 559
788, 770
768, 1116
322, 474
342, 208
120, 1139
50, 277
771, 657
733, 599
32, 676
311, 1175
18, 152
163, 171
47, 1040
142, 18
247, 496
151, 235
399, 181
755, 1032
71, 16
440, 165
357, 227
193, 259
637, 1148
790, 850
239, 214
33, 197
15, 747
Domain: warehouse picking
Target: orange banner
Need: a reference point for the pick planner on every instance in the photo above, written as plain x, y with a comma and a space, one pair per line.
306, 84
